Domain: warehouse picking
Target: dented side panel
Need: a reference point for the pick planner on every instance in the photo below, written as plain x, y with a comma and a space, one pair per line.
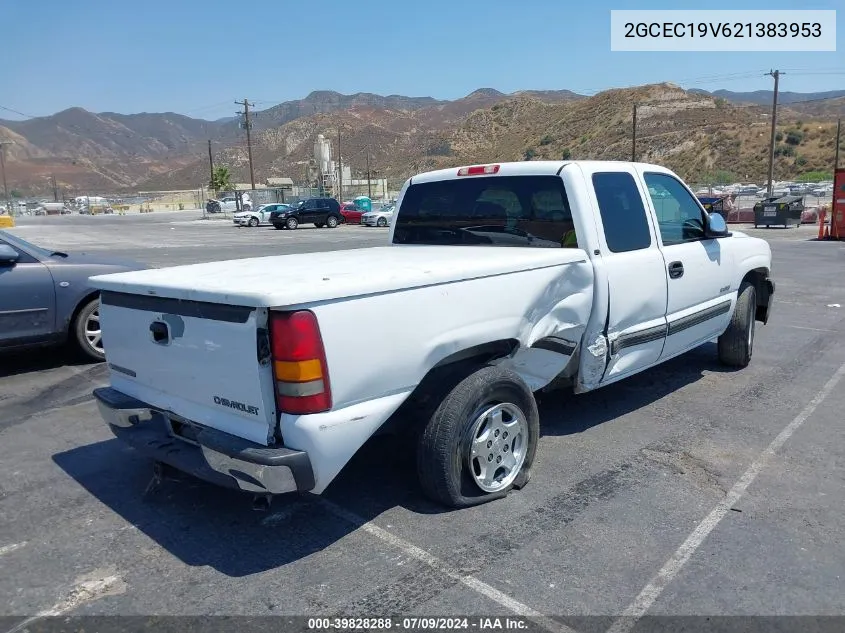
398, 337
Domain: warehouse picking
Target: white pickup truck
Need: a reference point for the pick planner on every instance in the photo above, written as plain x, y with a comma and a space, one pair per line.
498, 280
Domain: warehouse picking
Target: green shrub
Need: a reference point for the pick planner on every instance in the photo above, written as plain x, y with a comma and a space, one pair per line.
546, 140
529, 154
779, 137
794, 137
566, 154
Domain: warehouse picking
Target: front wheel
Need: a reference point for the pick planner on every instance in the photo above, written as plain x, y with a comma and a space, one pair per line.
381, 222
481, 441
331, 222
253, 222
86, 331
291, 223
737, 343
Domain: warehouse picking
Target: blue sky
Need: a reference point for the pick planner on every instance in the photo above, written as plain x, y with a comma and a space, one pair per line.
196, 58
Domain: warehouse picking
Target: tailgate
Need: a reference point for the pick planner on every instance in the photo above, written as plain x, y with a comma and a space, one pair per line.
205, 362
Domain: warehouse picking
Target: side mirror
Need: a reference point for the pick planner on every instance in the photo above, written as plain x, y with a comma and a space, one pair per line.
8, 255
716, 226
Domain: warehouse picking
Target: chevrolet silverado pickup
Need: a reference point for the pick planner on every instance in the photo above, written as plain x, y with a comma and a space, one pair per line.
497, 281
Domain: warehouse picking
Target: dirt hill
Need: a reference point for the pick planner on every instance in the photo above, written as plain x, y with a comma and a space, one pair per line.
700, 135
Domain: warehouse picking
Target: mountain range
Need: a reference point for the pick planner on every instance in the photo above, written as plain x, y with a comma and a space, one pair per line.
690, 130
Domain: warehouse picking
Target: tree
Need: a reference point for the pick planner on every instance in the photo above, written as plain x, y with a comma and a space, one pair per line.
15, 193
221, 179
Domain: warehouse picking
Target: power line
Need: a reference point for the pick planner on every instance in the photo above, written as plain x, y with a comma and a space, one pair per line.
28, 116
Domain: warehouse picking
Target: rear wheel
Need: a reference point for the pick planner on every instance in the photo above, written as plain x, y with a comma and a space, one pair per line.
331, 221
86, 331
291, 223
737, 343
481, 441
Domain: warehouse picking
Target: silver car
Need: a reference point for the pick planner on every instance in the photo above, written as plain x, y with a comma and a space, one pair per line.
380, 217
45, 297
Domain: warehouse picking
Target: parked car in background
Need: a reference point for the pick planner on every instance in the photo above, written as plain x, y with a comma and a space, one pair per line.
260, 215
228, 204
351, 214
45, 297
380, 217
317, 211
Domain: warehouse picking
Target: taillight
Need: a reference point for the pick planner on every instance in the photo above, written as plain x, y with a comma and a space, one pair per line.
478, 170
299, 363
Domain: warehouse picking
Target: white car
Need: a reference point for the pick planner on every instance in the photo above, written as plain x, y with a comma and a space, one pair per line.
498, 280
381, 217
228, 204
259, 216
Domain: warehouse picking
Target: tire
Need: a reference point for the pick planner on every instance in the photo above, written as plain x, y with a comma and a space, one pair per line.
331, 222
448, 469
278, 226
86, 331
253, 222
381, 222
737, 343
291, 223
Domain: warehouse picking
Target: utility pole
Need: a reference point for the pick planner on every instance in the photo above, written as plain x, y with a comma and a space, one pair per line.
836, 155
3, 169
634, 137
210, 167
248, 126
339, 169
369, 187
776, 74
55, 188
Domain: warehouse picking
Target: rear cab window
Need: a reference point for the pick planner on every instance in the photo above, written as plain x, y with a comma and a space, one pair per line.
623, 214
527, 211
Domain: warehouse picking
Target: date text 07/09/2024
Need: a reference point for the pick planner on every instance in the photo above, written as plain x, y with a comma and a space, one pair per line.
479, 623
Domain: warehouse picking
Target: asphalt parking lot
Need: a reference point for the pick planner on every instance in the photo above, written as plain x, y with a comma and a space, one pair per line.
685, 490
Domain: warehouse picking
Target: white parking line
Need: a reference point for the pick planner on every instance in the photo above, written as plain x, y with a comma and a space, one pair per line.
812, 329
86, 589
11, 548
651, 592
435, 563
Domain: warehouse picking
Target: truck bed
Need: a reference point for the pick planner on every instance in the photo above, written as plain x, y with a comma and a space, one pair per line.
290, 280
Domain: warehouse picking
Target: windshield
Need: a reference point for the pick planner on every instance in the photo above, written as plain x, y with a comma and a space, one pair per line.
490, 211
27, 246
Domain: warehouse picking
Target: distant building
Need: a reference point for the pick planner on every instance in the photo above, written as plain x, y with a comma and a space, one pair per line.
280, 183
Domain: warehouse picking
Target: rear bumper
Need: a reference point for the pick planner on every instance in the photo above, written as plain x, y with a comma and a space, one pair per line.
211, 455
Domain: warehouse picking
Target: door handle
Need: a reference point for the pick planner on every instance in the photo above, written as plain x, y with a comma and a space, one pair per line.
676, 269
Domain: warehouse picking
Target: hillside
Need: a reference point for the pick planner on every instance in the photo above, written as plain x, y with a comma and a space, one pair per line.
694, 132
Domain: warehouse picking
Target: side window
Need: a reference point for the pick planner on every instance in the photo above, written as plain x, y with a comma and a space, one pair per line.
622, 212
679, 215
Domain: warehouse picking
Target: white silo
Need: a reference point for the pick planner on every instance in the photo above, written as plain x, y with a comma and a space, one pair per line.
323, 153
